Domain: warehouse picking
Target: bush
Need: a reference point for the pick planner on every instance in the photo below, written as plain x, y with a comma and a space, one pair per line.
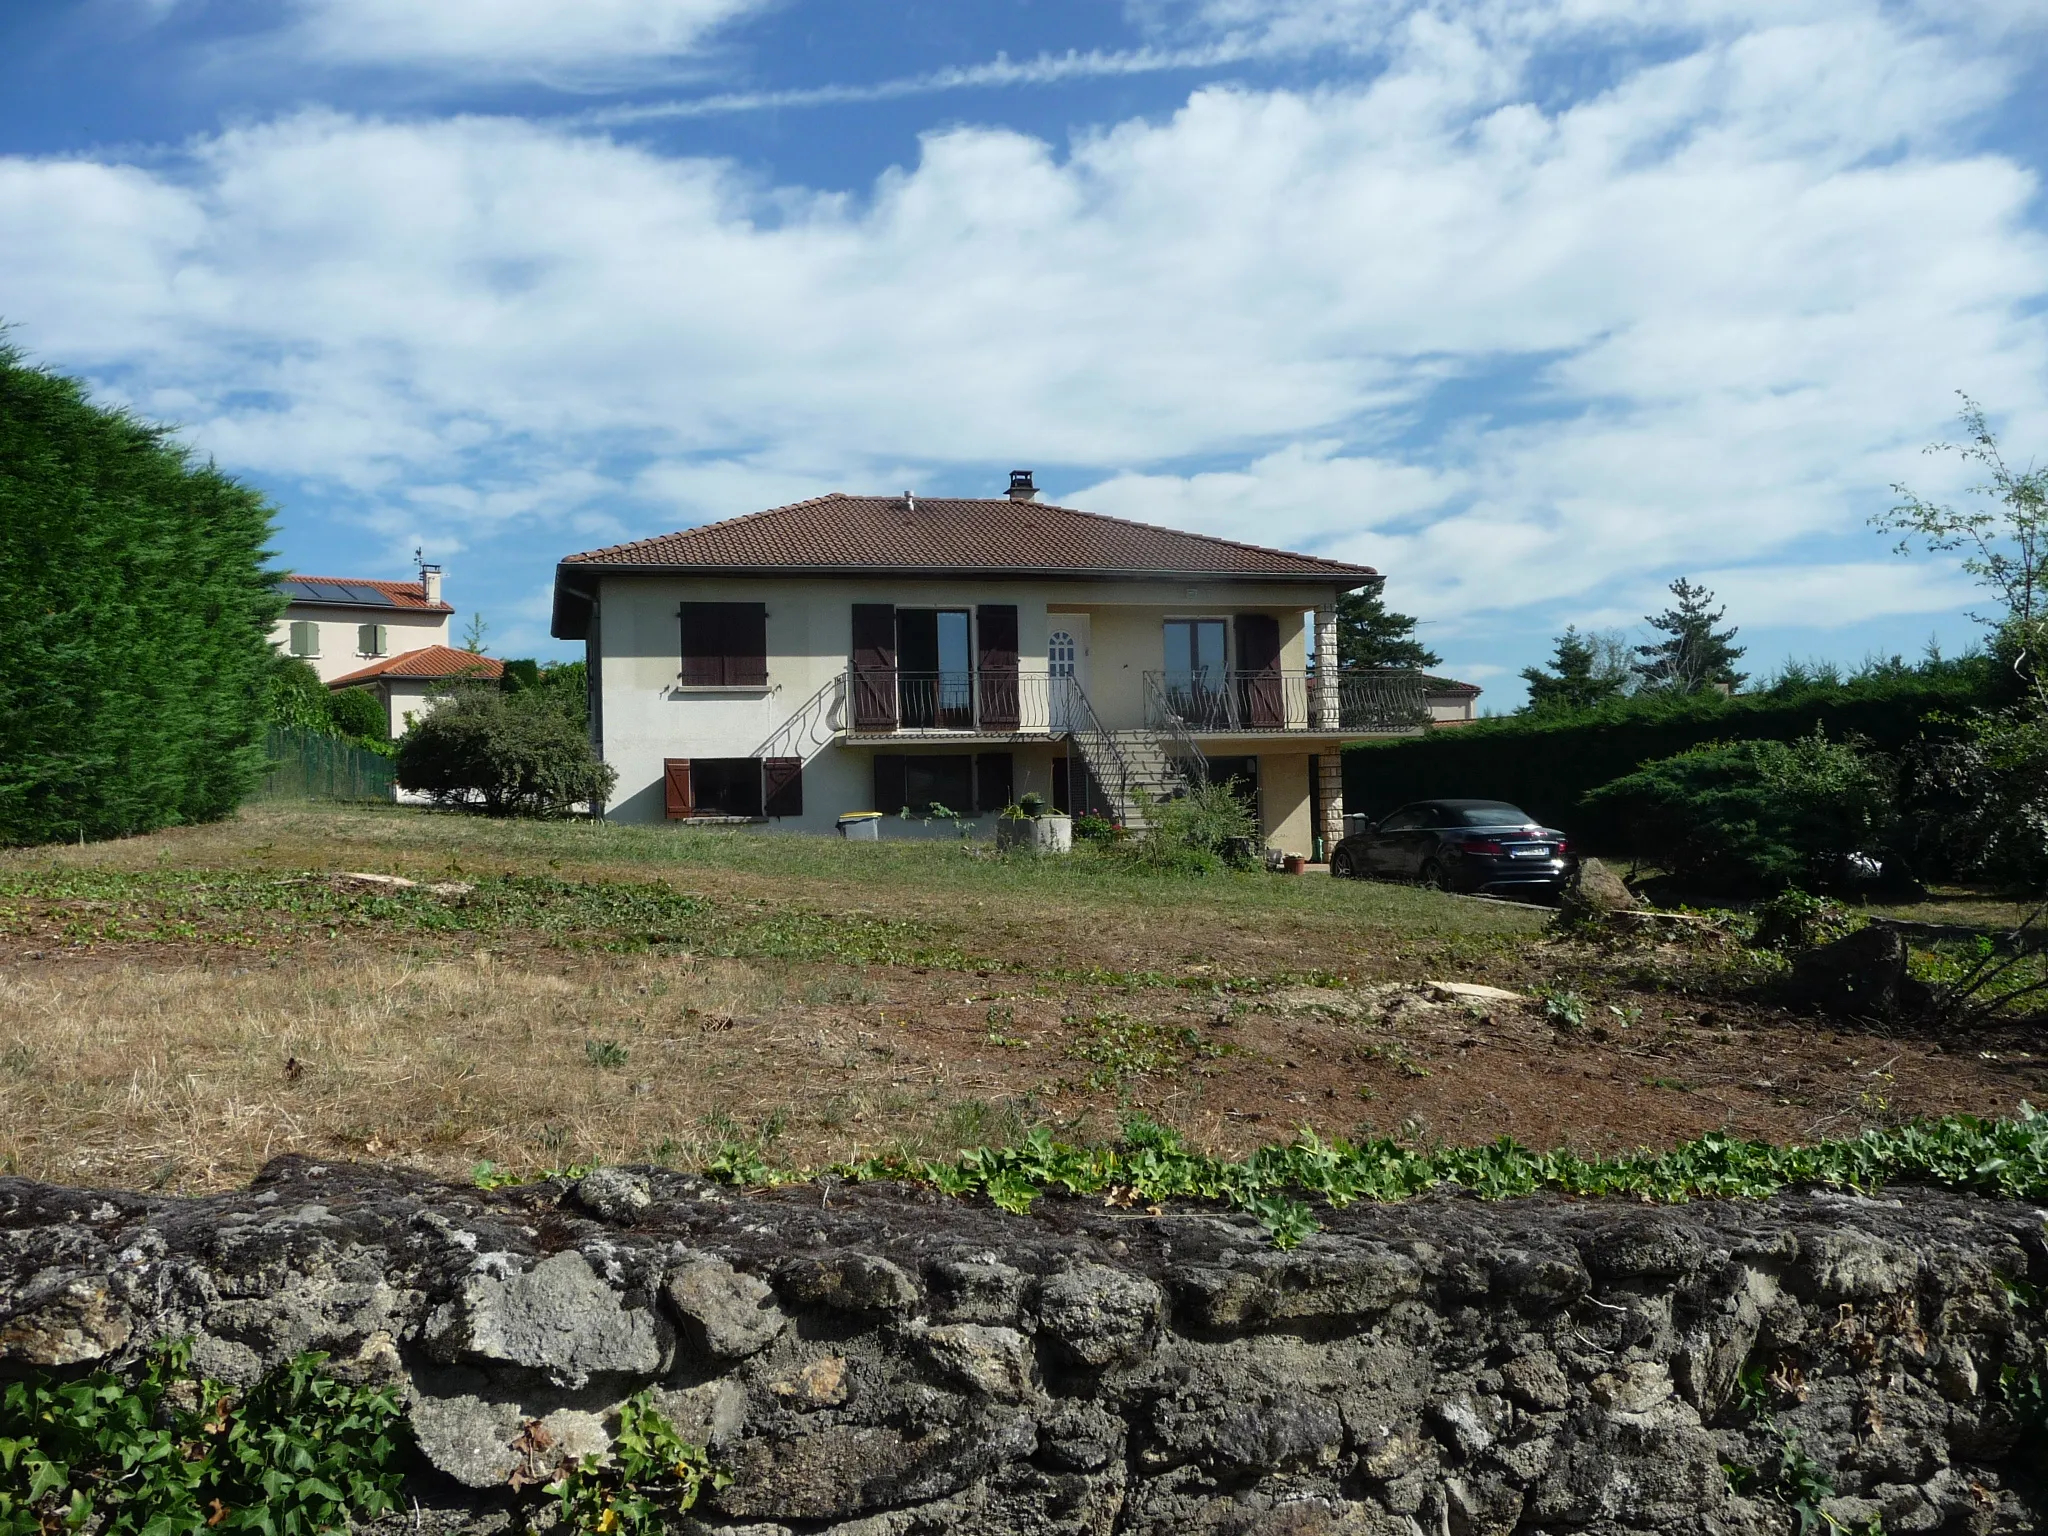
507, 754
1198, 833
1757, 815
135, 617
359, 715
567, 683
1980, 804
1547, 763
294, 696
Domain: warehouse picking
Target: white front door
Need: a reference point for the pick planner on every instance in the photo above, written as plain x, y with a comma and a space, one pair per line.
1066, 656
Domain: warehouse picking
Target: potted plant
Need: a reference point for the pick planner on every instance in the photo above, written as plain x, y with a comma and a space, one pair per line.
1030, 823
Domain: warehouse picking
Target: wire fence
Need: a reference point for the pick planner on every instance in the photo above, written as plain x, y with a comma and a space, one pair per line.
305, 765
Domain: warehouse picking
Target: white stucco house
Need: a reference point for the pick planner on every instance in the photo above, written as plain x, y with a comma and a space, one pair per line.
853, 653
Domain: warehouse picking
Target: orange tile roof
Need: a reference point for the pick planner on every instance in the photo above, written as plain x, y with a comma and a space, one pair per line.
429, 661
403, 594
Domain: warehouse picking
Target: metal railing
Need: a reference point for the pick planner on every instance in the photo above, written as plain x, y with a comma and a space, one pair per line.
895, 702
812, 727
1376, 700
1106, 775
1185, 750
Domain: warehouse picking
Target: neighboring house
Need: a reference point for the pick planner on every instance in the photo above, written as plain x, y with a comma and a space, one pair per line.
854, 653
1450, 701
406, 683
390, 635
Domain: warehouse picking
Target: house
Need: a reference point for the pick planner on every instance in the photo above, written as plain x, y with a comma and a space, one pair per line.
1450, 702
391, 636
854, 653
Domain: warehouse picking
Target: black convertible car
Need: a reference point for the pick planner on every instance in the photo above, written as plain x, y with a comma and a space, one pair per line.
1459, 845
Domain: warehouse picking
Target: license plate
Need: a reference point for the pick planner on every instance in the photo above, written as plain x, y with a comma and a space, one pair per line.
1538, 852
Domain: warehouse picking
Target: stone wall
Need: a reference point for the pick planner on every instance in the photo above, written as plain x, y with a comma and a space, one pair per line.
880, 1361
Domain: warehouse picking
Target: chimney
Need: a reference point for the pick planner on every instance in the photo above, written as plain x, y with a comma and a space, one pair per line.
1021, 488
430, 582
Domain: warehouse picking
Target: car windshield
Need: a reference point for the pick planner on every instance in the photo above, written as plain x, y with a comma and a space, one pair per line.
1490, 814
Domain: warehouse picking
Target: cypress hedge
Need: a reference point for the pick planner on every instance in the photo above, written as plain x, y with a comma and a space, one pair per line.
1547, 763
135, 615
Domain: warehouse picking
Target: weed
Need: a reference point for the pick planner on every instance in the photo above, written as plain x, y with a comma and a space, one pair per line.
1563, 1007
1120, 1048
607, 1055
652, 1471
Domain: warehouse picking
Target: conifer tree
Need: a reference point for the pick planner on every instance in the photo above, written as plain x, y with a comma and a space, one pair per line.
1577, 679
135, 615
1371, 635
1693, 654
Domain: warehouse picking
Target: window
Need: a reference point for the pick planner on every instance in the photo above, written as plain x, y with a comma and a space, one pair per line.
995, 777
725, 786
917, 783
1194, 652
305, 637
373, 639
934, 651
733, 786
725, 645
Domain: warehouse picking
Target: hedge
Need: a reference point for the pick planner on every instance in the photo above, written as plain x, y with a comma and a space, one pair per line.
1546, 763
135, 614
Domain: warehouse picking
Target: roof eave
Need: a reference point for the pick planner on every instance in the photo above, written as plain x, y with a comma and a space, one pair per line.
1347, 576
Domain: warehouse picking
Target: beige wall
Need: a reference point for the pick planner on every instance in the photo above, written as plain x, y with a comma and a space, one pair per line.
1284, 806
410, 629
648, 716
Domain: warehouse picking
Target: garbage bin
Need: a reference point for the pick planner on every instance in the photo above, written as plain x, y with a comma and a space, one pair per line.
861, 826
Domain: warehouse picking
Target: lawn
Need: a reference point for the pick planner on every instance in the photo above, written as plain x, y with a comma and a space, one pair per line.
176, 1008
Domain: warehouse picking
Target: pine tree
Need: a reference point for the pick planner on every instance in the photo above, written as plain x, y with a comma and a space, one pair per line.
1693, 654
1370, 635
1577, 679
135, 616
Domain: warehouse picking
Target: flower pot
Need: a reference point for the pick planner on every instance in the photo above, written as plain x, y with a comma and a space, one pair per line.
1294, 863
1041, 834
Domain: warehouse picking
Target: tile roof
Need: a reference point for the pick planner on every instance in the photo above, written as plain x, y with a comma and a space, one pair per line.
429, 661
400, 594
1449, 685
888, 533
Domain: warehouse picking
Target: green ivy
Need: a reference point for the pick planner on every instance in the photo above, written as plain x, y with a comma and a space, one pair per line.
652, 1470
169, 1453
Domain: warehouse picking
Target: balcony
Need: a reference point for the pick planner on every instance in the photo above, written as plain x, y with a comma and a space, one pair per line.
894, 705
1367, 703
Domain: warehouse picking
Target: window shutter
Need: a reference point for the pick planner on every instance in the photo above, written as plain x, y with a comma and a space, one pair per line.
1258, 666
383, 639
305, 637
999, 702
874, 675
888, 783
675, 775
782, 780
746, 645
994, 780
703, 646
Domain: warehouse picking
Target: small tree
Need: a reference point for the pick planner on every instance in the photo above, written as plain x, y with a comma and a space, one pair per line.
1580, 676
1369, 634
294, 696
2004, 535
507, 754
1693, 654
566, 682
360, 715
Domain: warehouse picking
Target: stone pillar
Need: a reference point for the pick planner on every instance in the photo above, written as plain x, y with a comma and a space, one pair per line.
1330, 795
1327, 715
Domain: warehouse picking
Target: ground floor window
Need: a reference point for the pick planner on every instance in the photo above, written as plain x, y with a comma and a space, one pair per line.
965, 783
734, 786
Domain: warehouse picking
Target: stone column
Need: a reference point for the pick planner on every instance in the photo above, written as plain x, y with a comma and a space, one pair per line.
1327, 715
1330, 792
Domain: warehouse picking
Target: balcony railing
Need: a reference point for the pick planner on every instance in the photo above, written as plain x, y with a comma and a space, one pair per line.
1375, 701
895, 702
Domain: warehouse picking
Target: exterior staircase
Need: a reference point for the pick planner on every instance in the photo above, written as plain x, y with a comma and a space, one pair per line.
1124, 772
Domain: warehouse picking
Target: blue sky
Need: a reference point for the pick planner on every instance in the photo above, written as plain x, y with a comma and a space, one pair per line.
1533, 304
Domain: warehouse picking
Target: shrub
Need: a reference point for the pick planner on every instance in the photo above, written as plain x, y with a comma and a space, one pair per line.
567, 683
135, 617
1980, 804
1197, 833
507, 754
1546, 763
294, 696
360, 715
1749, 815
1091, 828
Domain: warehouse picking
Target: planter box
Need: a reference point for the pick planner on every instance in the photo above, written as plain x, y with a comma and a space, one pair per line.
1043, 834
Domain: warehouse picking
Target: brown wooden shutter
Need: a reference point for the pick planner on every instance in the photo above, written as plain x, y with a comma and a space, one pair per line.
746, 645
994, 779
703, 645
782, 780
874, 672
1000, 709
888, 783
1258, 666
675, 777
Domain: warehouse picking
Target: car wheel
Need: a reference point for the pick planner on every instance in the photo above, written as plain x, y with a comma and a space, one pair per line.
1341, 865
1433, 877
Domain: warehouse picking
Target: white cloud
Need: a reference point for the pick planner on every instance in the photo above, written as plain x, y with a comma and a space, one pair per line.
558, 39
1695, 318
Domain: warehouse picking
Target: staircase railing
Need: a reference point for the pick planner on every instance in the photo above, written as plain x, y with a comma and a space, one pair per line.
813, 725
1192, 761
1100, 755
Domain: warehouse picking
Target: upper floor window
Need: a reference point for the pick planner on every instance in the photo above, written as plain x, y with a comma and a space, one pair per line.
1194, 652
373, 639
305, 637
725, 645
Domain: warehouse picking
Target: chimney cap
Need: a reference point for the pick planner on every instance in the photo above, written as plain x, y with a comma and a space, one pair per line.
1021, 486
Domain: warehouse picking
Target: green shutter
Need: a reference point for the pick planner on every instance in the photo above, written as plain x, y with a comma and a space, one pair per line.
305, 638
